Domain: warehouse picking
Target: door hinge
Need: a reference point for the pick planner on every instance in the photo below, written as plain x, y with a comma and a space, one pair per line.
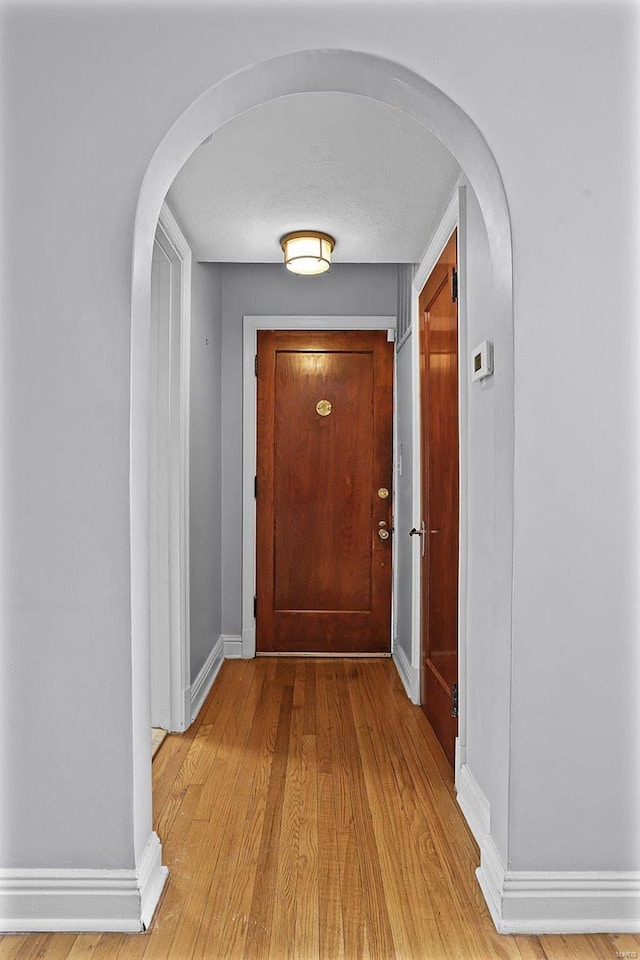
454, 700
255, 365
255, 607
255, 487
454, 285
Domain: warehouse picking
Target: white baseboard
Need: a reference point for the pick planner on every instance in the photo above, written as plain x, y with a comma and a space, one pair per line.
232, 647
248, 642
204, 681
152, 876
559, 902
473, 804
546, 901
79, 901
225, 648
409, 675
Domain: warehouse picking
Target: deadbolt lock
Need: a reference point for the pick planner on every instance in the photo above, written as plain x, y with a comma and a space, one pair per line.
383, 493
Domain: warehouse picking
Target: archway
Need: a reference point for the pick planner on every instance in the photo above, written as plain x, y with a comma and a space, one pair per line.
339, 71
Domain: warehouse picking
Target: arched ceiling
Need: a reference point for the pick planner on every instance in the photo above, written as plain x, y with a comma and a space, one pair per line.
355, 168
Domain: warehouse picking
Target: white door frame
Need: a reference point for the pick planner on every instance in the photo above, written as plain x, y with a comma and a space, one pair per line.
250, 327
169, 512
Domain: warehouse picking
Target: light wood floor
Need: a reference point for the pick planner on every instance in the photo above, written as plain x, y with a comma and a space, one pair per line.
309, 812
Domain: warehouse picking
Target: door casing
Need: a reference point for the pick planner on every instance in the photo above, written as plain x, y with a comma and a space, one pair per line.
453, 218
169, 567
250, 327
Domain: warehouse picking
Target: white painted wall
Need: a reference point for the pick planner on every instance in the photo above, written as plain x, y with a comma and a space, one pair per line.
269, 289
205, 541
551, 87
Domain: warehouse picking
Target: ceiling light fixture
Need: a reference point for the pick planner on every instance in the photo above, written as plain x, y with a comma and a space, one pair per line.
307, 252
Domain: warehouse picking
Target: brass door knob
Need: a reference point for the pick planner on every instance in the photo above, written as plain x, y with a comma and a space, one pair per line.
383, 534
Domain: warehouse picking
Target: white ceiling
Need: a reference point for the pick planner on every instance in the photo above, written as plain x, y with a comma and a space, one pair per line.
357, 169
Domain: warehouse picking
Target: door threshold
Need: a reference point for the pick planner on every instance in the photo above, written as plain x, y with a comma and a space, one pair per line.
340, 656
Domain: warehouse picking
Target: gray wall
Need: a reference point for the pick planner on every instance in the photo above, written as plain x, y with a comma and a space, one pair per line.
268, 289
205, 540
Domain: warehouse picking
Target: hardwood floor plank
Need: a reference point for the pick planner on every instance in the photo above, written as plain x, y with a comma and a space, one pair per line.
217, 710
331, 932
176, 832
35, 947
530, 948
228, 823
447, 853
575, 948
228, 732
262, 903
216, 811
167, 763
310, 716
231, 679
175, 931
283, 927
354, 913
380, 935
61, 946
381, 940
307, 931
628, 943
187, 894
235, 893
180, 785
133, 947
221, 714
84, 946
414, 921
10, 944
109, 945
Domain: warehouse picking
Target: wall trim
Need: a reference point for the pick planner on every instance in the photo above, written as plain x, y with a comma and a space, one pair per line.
250, 327
248, 635
152, 876
171, 649
204, 681
409, 675
78, 901
437, 243
560, 902
226, 647
473, 803
232, 647
449, 221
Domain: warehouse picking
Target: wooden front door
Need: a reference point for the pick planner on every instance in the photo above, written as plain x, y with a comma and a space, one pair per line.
324, 466
440, 497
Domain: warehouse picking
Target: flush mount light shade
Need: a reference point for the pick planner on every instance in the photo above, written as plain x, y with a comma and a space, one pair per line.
307, 251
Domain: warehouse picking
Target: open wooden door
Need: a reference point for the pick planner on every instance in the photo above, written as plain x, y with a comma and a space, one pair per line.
440, 497
324, 441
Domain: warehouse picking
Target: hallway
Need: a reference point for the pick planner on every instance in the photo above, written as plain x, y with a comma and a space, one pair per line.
310, 812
